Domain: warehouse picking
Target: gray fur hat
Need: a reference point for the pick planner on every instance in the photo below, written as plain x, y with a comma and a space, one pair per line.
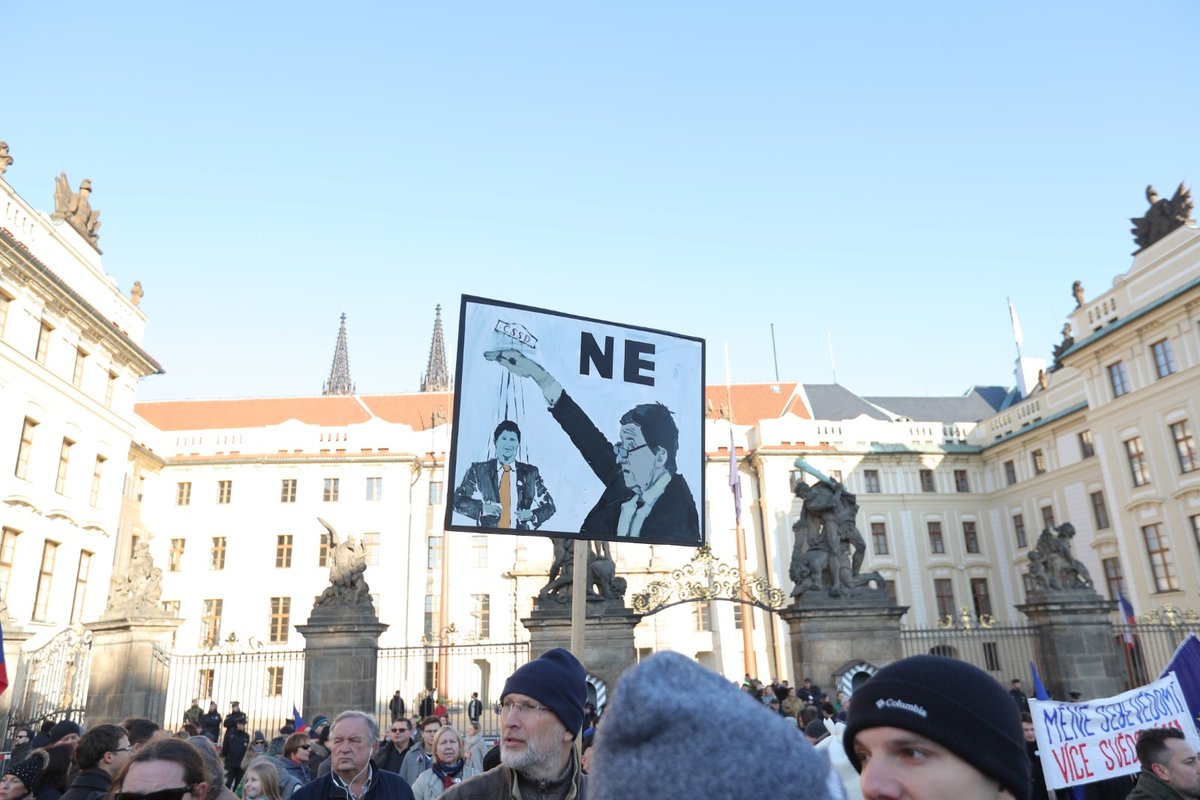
666, 734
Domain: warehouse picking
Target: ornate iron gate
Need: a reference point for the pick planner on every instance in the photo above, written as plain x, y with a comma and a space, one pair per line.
52, 681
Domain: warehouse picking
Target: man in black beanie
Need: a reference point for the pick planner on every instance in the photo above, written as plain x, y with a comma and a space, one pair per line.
937, 729
541, 713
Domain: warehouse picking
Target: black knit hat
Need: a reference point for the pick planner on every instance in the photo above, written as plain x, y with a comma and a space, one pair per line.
558, 681
950, 702
64, 728
29, 771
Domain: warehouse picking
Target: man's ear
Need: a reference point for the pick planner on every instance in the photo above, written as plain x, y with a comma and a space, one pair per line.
200, 791
660, 456
1160, 771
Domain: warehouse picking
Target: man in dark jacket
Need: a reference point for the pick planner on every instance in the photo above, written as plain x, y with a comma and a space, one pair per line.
101, 753
1170, 767
237, 741
396, 706
474, 708
234, 716
351, 740
391, 752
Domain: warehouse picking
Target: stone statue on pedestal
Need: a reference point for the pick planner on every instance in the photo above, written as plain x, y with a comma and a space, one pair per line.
1052, 565
1162, 217
603, 581
5, 159
829, 549
347, 563
138, 592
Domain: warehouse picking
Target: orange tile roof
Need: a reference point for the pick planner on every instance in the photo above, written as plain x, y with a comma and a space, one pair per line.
754, 401
751, 402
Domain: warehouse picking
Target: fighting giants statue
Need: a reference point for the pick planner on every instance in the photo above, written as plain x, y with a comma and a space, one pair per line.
825, 536
1052, 566
603, 581
347, 563
138, 591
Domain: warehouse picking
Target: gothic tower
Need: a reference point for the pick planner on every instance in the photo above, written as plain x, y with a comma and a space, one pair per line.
436, 378
339, 373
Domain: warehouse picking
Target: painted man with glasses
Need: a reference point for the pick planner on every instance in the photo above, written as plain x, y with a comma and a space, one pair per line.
165, 769
101, 753
541, 713
352, 776
644, 494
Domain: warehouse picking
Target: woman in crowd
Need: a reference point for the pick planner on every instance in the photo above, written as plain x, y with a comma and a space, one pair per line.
58, 772
22, 779
261, 782
448, 768
295, 756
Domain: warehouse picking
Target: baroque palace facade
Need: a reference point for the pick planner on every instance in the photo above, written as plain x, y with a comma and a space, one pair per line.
229, 494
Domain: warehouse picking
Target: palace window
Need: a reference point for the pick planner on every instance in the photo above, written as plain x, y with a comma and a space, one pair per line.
210, 624
281, 615
943, 592
702, 610
1139, 468
1099, 510
479, 550
433, 552
183, 493
97, 479
1039, 462
77, 373
1087, 447
1114, 579
274, 682
370, 543
936, 543
1185, 446
204, 682
1019, 529
1164, 358
981, 597
1118, 377
879, 538
43, 342
8, 551
175, 558
224, 492
330, 493
216, 556
1047, 516
435, 493
25, 449
1010, 472
109, 387
927, 481
374, 490
287, 490
482, 612
283, 550
81, 582
871, 481
41, 601
970, 537
960, 481
323, 551
64, 463
1162, 563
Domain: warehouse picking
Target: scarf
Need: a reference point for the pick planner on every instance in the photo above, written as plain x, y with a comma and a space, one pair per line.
449, 773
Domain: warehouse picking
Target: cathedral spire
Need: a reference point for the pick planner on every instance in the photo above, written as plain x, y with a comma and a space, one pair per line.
339, 373
436, 379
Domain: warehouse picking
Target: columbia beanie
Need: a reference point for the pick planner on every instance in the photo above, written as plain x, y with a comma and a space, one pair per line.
558, 681
666, 733
950, 702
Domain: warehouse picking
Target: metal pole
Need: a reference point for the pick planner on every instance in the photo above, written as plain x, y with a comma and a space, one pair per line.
747, 620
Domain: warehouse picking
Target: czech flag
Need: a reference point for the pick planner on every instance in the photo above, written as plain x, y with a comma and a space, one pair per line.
1130, 618
3, 666
298, 721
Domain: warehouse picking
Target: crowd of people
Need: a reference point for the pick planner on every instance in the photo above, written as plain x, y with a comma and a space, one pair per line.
923, 728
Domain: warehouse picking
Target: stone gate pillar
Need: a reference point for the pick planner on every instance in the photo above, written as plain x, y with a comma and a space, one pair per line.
1075, 642
828, 633
341, 656
608, 638
124, 681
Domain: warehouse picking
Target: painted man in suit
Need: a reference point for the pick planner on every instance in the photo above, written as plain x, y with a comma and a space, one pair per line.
644, 495
503, 492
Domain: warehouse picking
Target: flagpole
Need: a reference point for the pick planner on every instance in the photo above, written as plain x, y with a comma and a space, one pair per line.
748, 657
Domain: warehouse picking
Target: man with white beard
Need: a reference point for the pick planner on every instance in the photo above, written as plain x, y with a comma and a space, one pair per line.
541, 713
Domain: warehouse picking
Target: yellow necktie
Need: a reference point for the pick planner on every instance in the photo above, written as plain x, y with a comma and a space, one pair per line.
505, 499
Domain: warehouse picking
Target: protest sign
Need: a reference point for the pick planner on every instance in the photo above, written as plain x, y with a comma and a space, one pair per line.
1084, 742
572, 427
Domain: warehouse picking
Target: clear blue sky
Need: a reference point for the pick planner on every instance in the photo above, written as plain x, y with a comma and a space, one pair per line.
887, 173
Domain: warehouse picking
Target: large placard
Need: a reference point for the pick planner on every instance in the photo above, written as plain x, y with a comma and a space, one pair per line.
574, 427
1085, 742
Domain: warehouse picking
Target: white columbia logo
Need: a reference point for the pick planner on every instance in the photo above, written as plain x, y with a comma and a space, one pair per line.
910, 707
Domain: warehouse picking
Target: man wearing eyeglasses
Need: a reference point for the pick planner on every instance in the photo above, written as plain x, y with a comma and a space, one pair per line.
391, 753
22, 745
352, 776
502, 492
165, 769
101, 753
541, 713
420, 756
644, 495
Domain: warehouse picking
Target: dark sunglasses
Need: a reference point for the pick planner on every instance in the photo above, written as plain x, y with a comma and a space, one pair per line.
162, 794
305, 746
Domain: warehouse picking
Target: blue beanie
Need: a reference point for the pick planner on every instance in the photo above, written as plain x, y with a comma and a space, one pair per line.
953, 703
558, 681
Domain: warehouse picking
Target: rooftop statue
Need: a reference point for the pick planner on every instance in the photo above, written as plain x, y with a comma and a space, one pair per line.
1162, 217
76, 209
5, 159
